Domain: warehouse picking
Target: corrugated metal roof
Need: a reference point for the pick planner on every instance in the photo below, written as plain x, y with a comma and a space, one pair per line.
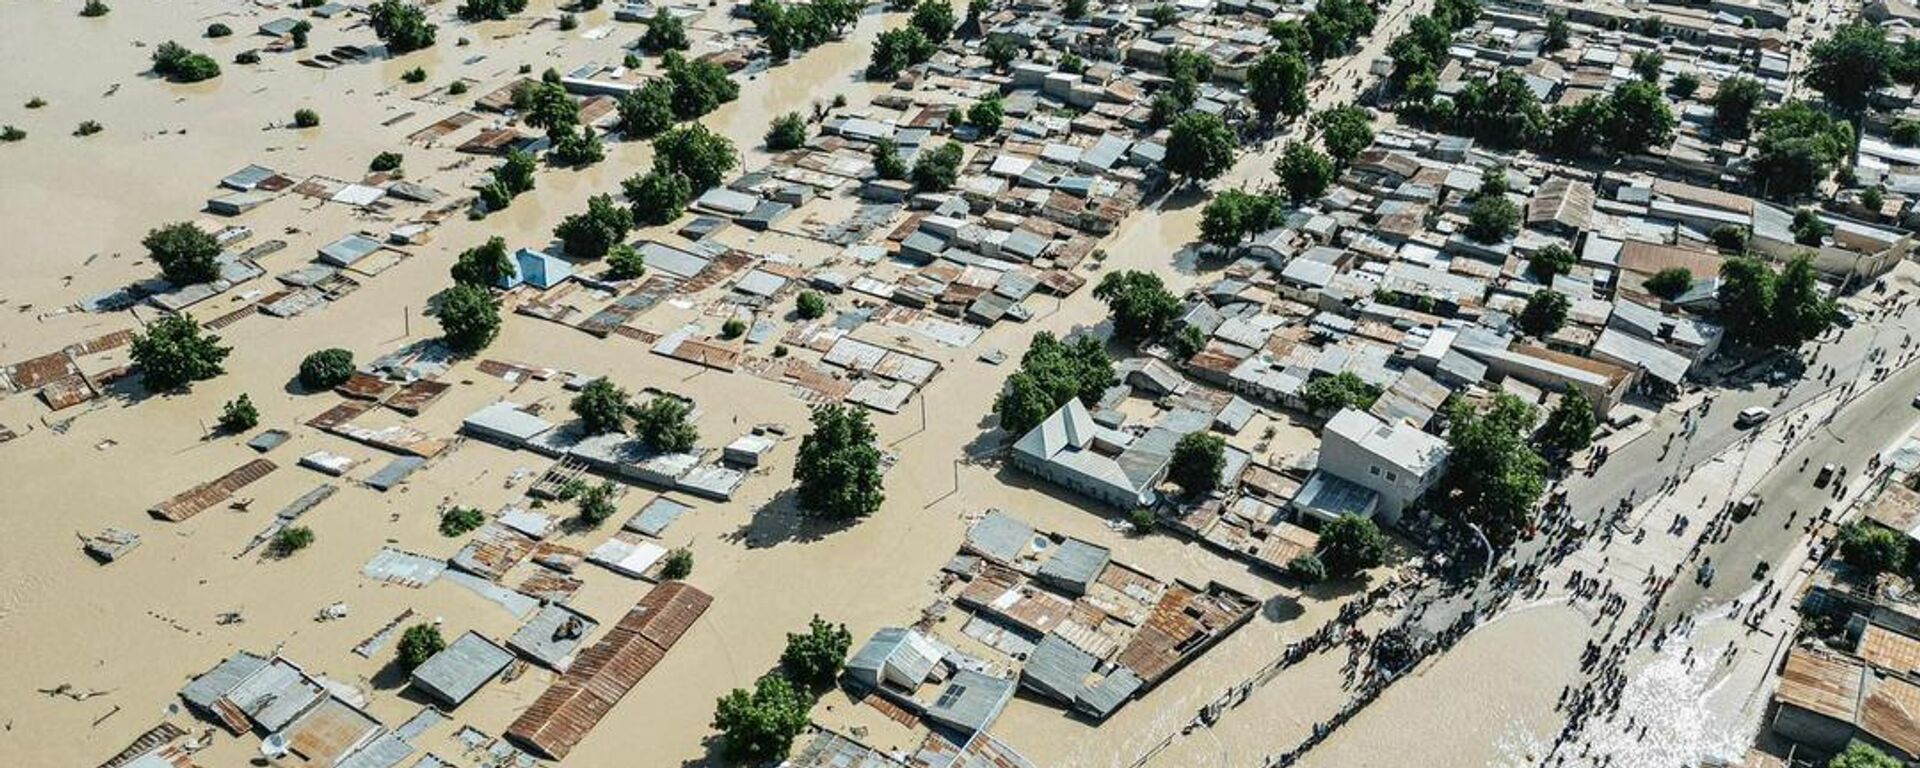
569, 709
459, 670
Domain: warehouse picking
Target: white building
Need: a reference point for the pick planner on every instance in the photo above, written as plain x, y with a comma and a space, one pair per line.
1393, 463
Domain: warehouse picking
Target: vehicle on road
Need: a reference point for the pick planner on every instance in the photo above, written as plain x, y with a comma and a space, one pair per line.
1752, 415
1916, 401
1746, 507
1825, 476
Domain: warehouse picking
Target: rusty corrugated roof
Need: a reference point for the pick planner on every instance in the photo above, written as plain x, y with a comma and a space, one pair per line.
569, 709
196, 499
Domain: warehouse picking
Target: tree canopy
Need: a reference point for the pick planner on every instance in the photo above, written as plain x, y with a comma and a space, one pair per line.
590, 233
1340, 391
417, 644
601, 407
487, 265
1492, 218
1670, 283
1051, 373
787, 131
1141, 305
1198, 460
175, 352
1550, 261
1848, 66
838, 469
1200, 146
1871, 548
934, 19
1305, 173
1232, 215
1345, 131
936, 169
665, 32
1734, 102
489, 10
1762, 308
469, 318
402, 26
1493, 475
699, 86
664, 425
700, 155
1350, 544
1277, 84
325, 369
185, 253
658, 198
174, 62
896, 50
1799, 147
1570, 425
814, 658
760, 725
1545, 313
647, 110
1860, 754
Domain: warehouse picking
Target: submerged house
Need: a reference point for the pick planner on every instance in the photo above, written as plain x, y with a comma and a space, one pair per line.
1115, 467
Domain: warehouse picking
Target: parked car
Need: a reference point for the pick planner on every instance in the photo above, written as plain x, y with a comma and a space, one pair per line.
1825, 476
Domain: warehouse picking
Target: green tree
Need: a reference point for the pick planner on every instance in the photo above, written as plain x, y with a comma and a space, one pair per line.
787, 131
487, 265
1076, 9
1141, 305
1493, 476
1328, 394
1640, 119
1559, 33
1545, 313
1502, 111
306, 118
419, 643
174, 62
664, 425
601, 407
1351, 544
624, 262
936, 170
1860, 754
658, 198
1305, 173
185, 253
457, 521
1307, 568
1808, 228
1872, 548
516, 172
810, 305
760, 726
647, 110
386, 162
175, 352
813, 659
289, 540
1000, 50
1905, 133
1799, 147
665, 32
469, 318
1550, 261
588, 235
702, 156
838, 468
896, 50
1198, 460
677, 565
1345, 131
1684, 85
732, 328
1647, 64
1850, 65
934, 19
1570, 425
94, 9
986, 113
1277, 84
325, 369
1801, 309
1670, 283
1730, 238
1232, 215
1200, 146
1051, 373
699, 86
1734, 103
886, 160
403, 27
596, 502
1492, 219
239, 414
575, 149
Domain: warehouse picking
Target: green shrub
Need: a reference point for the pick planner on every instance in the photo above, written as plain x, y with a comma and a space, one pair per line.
306, 118
290, 540
239, 415
459, 520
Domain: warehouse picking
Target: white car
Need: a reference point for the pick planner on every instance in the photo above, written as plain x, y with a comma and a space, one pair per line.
1751, 416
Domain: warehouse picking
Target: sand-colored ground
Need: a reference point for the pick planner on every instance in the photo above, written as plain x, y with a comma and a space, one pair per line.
73, 211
